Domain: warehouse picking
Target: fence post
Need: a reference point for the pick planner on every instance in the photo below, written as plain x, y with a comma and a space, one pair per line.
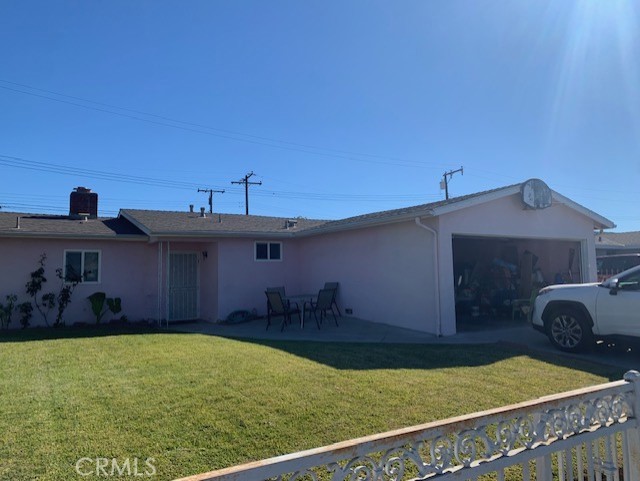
543, 463
634, 436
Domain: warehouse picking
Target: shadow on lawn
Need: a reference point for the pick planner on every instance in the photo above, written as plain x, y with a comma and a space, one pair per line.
101, 330
346, 355
363, 356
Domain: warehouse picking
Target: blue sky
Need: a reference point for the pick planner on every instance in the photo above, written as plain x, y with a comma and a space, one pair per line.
339, 107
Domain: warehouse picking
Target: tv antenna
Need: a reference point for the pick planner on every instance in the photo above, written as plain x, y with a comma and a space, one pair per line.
245, 181
211, 192
446, 177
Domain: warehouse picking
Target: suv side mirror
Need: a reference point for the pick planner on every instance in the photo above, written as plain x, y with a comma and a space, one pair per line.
615, 286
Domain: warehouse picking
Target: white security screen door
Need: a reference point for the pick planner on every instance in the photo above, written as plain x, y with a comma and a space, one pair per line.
184, 290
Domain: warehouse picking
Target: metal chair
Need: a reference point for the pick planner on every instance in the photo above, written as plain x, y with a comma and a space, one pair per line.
281, 290
277, 307
334, 287
323, 304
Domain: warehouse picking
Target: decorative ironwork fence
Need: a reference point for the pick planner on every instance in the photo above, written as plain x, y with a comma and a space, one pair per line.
589, 434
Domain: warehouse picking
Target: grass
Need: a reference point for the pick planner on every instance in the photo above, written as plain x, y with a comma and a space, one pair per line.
196, 403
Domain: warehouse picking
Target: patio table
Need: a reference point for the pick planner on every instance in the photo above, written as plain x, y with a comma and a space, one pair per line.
302, 299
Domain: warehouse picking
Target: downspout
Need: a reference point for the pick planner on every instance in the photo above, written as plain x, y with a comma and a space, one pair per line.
159, 313
436, 264
168, 281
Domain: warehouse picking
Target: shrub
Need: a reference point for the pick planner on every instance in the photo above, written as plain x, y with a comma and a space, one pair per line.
26, 310
6, 311
35, 285
98, 300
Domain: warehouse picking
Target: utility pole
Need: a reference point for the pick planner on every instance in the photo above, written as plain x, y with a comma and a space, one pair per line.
245, 181
444, 184
211, 191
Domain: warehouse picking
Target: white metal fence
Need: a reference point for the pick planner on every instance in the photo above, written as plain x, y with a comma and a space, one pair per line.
590, 434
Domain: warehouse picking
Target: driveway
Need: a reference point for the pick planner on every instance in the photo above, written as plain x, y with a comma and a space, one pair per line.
518, 334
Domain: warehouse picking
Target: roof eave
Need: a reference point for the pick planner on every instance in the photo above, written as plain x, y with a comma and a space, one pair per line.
477, 200
49, 235
599, 222
391, 219
161, 236
123, 213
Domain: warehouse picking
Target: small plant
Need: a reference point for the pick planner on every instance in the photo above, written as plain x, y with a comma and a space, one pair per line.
25, 309
64, 296
98, 300
115, 305
6, 311
35, 285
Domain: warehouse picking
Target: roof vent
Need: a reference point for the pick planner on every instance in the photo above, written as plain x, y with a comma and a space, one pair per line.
202, 214
291, 224
18, 222
191, 208
83, 202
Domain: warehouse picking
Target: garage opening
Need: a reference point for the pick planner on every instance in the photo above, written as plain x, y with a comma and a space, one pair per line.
496, 278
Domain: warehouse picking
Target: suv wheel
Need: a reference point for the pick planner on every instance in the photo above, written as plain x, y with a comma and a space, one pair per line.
568, 330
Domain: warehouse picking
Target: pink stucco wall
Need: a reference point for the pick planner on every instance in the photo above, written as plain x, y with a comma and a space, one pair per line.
128, 271
242, 280
386, 273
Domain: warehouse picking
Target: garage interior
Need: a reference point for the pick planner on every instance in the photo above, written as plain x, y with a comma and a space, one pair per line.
496, 277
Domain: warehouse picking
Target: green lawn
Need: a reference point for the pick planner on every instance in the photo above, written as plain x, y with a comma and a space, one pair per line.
196, 403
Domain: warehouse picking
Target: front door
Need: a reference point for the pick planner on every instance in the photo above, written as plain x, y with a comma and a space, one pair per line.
184, 289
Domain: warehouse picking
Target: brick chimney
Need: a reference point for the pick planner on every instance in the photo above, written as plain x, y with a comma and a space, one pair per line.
83, 201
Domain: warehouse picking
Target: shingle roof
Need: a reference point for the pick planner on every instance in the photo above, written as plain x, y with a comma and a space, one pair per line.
155, 222
408, 211
138, 222
39, 225
626, 239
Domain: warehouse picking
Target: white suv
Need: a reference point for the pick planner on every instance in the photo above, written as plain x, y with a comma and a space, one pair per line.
574, 315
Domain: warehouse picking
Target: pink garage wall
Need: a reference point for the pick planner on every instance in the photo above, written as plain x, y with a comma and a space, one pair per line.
386, 273
242, 280
129, 271
507, 217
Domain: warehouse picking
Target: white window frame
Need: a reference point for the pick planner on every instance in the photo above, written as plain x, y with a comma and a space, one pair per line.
268, 259
82, 254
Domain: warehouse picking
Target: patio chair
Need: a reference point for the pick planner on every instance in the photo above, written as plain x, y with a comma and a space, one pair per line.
323, 304
279, 308
334, 287
281, 290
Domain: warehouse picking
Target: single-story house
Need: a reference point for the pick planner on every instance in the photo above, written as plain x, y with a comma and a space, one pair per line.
410, 267
614, 243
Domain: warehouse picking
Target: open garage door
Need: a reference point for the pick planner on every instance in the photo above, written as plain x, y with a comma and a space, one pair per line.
496, 277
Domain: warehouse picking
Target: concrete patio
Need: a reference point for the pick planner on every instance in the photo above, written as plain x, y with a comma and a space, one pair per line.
517, 334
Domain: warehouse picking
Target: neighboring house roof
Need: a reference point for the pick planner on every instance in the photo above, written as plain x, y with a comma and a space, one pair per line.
618, 240
39, 225
191, 224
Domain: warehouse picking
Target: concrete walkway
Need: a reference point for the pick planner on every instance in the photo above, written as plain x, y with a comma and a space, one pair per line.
516, 334
349, 330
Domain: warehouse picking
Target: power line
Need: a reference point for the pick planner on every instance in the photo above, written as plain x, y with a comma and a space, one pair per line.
211, 192
245, 181
445, 180
225, 134
22, 163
